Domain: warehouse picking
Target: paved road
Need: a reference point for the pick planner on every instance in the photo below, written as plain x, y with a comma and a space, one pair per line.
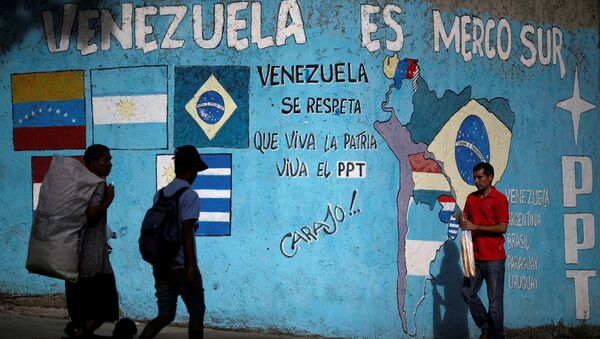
15, 326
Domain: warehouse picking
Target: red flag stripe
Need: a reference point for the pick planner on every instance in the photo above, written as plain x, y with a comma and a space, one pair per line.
49, 138
445, 198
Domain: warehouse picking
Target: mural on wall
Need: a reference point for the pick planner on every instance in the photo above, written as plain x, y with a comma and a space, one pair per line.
128, 103
457, 132
353, 144
213, 187
212, 106
48, 111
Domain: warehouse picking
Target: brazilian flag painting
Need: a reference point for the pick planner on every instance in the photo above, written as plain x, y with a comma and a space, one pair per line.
211, 106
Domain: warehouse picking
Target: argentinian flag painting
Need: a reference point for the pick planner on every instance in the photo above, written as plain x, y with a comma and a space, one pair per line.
129, 107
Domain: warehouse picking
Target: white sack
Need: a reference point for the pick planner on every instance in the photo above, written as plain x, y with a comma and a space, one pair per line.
59, 220
467, 255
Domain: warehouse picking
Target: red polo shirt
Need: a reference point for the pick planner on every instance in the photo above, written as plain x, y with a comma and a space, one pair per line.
490, 210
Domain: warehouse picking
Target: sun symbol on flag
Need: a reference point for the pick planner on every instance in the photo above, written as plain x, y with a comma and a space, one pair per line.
126, 109
168, 173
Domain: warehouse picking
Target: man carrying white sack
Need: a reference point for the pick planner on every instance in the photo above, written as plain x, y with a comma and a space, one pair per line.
93, 299
486, 216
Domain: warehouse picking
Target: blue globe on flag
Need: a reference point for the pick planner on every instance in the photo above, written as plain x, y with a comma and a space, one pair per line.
210, 107
472, 147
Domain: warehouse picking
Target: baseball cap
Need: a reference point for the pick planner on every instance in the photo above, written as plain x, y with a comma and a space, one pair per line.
188, 155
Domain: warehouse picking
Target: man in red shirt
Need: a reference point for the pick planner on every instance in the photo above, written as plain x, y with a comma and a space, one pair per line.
486, 215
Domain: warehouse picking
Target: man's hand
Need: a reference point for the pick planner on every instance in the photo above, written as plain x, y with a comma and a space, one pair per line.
467, 225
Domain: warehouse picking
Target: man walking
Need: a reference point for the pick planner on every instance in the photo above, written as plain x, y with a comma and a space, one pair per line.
486, 215
93, 299
182, 275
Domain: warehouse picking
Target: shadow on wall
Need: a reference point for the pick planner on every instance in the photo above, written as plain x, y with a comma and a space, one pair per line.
450, 311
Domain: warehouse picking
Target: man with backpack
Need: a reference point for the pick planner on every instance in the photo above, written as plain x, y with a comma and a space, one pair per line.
176, 274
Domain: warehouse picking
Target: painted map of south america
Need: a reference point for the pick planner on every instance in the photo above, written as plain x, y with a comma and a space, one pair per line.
436, 149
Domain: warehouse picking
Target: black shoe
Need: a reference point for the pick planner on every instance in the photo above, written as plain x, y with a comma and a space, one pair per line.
124, 329
69, 330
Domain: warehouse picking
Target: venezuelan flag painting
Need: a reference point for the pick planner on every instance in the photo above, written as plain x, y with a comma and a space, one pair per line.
129, 107
48, 111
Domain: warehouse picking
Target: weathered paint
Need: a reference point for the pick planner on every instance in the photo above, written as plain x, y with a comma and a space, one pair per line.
350, 122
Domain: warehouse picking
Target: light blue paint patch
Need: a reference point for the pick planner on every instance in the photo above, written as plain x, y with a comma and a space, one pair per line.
132, 136
424, 223
129, 81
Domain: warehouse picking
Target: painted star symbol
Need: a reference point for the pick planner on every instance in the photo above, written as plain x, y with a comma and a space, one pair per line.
73, 121
65, 115
32, 113
20, 121
58, 111
576, 105
40, 110
49, 109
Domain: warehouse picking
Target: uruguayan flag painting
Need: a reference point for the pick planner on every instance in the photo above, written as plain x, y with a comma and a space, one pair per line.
129, 107
213, 187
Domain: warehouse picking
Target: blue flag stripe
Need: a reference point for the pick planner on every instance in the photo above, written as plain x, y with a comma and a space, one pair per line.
445, 216
49, 113
212, 182
214, 228
129, 81
215, 205
217, 160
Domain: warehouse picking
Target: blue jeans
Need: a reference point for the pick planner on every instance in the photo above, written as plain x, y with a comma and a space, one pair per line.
491, 323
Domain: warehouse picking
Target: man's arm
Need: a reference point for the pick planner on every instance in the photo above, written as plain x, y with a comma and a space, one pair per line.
188, 247
500, 228
94, 211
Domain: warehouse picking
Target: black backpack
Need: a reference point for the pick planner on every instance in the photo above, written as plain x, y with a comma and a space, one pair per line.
160, 239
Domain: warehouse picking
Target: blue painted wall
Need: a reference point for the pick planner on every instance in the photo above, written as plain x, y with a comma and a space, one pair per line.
382, 264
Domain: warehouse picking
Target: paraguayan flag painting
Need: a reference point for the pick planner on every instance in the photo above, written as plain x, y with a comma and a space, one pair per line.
129, 107
213, 187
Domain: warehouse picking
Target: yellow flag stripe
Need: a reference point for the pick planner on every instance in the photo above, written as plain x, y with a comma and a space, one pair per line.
33, 87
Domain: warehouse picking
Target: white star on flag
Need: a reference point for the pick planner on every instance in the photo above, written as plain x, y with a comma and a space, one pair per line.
576, 105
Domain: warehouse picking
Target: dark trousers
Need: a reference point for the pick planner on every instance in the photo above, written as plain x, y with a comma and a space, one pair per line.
491, 323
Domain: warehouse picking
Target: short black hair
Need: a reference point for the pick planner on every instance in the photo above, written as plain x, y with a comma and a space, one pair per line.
187, 158
94, 152
487, 168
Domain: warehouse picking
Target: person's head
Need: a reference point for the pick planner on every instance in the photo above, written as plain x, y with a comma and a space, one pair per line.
483, 173
97, 159
188, 163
